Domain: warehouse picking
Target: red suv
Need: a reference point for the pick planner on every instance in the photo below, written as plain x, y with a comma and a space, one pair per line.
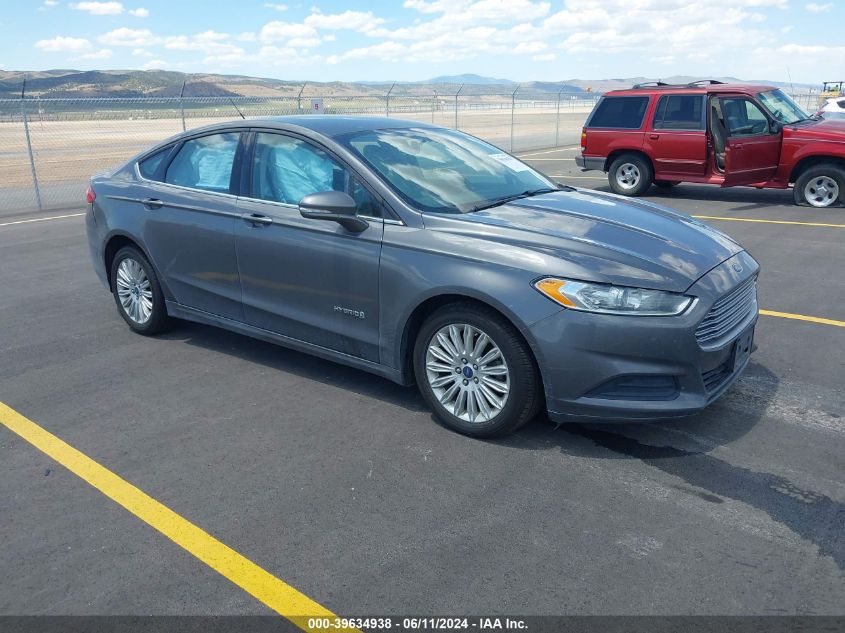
717, 133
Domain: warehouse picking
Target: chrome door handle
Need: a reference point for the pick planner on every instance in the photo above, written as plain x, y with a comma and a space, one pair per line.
256, 219
152, 203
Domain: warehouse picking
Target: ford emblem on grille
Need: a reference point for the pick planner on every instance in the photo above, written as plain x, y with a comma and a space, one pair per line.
737, 267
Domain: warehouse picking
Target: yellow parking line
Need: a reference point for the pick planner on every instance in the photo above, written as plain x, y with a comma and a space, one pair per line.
802, 317
713, 217
550, 151
261, 584
54, 217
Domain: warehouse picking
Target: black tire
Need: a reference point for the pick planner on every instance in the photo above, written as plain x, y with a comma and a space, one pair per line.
637, 164
666, 184
525, 394
818, 173
157, 320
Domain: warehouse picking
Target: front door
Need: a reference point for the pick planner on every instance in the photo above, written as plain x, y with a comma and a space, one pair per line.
752, 150
189, 225
311, 280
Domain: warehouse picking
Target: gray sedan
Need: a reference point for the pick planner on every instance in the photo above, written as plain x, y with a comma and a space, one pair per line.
425, 255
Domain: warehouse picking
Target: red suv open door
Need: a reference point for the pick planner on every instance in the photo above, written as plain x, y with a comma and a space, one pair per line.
752, 149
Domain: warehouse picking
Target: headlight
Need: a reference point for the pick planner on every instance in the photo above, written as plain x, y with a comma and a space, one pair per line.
608, 299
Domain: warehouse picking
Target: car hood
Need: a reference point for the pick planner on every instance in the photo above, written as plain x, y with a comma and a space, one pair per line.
823, 129
602, 237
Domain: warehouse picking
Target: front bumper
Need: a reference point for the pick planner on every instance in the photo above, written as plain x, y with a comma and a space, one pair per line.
622, 368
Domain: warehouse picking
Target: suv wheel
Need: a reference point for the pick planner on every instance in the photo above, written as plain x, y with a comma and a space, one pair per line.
820, 186
475, 371
137, 292
630, 175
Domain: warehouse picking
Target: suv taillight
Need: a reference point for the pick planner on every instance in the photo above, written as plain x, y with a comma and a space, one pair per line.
583, 140
90, 196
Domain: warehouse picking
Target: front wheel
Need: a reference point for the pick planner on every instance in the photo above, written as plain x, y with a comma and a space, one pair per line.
821, 186
475, 371
630, 175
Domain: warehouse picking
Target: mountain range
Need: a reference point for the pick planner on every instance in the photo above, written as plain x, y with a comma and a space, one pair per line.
66, 83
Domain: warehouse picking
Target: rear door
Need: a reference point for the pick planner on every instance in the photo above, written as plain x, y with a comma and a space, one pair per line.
677, 140
752, 150
312, 280
190, 210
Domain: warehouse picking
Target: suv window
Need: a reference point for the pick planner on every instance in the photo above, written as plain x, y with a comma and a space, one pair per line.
149, 167
743, 117
619, 112
286, 169
205, 163
679, 112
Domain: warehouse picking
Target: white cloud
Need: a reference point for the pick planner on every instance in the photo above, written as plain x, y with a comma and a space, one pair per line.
545, 57
140, 12
103, 53
99, 8
61, 44
156, 64
304, 42
129, 37
352, 20
207, 42
140, 52
247, 36
815, 7
277, 31
277, 7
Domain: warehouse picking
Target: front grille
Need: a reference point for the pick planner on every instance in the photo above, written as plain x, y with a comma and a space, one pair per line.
714, 378
727, 313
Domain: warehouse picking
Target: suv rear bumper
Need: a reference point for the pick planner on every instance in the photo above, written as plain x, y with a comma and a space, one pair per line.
588, 163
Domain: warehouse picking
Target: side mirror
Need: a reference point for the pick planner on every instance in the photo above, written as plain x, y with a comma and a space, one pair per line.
335, 206
775, 127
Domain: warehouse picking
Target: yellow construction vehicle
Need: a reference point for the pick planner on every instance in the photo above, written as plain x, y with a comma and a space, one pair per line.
831, 90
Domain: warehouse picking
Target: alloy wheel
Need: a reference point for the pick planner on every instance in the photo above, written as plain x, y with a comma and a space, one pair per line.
134, 291
821, 191
467, 372
628, 176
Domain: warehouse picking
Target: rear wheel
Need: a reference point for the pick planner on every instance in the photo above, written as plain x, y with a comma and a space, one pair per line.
820, 186
137, 292
630, 175
475, 371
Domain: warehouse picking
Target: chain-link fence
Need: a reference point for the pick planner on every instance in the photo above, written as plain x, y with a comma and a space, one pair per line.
50, 147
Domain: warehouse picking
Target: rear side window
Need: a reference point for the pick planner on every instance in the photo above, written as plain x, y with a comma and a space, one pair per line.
149, 167
679, 112
205, 163
619, 112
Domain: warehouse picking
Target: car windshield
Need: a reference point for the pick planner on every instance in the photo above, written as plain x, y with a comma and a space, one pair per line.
444, 171
782, 107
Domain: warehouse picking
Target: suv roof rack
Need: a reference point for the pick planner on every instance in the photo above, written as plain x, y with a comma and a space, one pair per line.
663, 84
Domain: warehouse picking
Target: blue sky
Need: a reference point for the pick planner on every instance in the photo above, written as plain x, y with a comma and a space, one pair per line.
417, 39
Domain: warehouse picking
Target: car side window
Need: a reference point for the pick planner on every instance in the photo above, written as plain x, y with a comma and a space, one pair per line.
205, 163
286, 169
149, 167
619, 112
743, 117
679, 112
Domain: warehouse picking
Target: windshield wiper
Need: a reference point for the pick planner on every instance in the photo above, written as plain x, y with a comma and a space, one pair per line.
497, 202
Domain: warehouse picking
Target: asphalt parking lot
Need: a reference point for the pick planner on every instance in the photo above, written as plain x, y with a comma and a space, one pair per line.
341, 485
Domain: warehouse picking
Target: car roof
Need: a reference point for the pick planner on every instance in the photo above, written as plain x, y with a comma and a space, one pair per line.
326, 125
701, 89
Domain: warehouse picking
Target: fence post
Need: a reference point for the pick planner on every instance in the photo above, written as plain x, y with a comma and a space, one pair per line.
299, 99
513, 110
182, 103
31, 155
387, 101
557, 120
433, 106
456, 105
